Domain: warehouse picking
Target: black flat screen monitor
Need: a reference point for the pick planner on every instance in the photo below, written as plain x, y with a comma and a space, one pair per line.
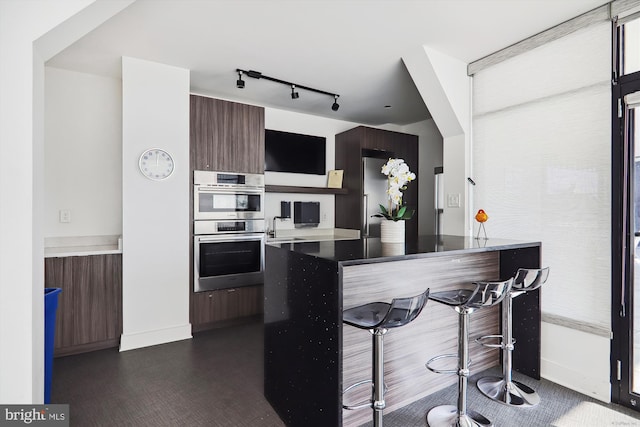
293, 152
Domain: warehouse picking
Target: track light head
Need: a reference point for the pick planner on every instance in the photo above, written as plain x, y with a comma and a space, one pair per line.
335, 105
240, 82
294, 94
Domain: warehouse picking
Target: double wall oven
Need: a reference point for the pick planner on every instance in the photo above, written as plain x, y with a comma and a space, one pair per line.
228, 227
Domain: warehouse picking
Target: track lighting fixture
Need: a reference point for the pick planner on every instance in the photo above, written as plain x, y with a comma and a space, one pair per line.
294, 86
240, 82
335, 105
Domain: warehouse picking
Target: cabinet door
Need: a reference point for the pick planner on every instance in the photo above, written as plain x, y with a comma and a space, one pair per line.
382, 140
226, 136
89, 314
57, 274
226, 304
97, 298
246, 138
203, 132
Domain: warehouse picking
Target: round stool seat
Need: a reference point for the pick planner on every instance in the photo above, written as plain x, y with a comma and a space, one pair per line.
485, 294
382, 315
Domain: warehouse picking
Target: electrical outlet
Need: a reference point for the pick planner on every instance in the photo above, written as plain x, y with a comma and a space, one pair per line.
453, 200
65, 215
324, 216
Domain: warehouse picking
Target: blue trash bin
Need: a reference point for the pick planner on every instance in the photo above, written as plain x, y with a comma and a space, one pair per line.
50, 307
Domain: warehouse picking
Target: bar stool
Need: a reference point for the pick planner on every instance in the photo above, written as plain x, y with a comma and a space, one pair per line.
377, 317
465, 302
505, 389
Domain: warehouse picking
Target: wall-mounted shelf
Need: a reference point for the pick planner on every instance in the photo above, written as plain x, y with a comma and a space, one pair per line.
308, 190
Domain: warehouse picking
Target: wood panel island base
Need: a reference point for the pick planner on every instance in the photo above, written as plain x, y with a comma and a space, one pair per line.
310, 356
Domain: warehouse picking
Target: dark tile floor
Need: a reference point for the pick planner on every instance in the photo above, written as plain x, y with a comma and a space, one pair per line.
215, 379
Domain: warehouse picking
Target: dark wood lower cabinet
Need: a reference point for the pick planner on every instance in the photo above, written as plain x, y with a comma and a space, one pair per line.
89, 315
226, 307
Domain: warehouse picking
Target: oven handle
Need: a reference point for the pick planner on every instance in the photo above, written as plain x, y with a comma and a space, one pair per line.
242, 190
230, 237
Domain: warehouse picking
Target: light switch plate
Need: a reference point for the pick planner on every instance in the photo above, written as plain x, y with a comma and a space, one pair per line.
453, 200
65, 215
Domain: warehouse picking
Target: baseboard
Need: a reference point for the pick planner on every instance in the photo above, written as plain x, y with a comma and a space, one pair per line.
155, 337
576, 359
85, 348
576, 381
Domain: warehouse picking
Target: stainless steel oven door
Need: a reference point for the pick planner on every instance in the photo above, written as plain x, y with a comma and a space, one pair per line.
228, 261
227, 203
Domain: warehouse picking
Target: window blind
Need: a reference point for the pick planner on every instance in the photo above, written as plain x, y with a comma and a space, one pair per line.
541, 162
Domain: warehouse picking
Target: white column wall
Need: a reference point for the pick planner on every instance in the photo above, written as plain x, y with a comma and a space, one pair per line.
542, 164
21, 191
445, 88
155, 226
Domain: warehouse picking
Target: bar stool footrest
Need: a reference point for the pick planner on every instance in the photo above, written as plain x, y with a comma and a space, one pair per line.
430, 362
367, 404
484, 341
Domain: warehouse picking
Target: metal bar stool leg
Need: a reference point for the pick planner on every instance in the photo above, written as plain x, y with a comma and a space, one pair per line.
377, 318
449, 415
378, 404
505, 389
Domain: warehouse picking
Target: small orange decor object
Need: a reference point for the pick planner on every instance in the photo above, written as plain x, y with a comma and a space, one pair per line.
482, 217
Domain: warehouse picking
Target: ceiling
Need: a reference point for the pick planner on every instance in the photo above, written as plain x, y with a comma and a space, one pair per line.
349, 47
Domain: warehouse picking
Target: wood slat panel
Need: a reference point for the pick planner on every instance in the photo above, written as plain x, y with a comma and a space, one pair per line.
226, 136
89, 314
227, 304
434, 332
57, 275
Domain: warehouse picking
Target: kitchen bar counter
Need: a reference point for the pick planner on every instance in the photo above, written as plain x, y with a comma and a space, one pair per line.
310, 357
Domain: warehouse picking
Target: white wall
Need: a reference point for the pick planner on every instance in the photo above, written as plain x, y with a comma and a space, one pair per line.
21, 191
83, 153
445, 88
155, 259
430, 154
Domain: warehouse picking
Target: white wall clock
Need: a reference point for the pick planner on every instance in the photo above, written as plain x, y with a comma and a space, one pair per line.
156, 164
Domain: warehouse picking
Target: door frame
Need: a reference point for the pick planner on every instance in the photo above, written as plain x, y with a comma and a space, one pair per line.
622, 236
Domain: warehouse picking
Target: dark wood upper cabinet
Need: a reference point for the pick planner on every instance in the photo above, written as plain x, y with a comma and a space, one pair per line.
226, 136
363, 141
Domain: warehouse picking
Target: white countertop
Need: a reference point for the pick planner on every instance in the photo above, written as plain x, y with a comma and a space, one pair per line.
81, 246
313, 235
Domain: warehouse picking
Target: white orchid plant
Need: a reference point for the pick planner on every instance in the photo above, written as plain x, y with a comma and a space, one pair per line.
399, 176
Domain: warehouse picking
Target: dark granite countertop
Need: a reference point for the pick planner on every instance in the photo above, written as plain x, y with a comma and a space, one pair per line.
366, 250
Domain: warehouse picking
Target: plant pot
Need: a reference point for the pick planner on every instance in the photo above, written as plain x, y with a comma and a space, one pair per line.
392, 231
392, 249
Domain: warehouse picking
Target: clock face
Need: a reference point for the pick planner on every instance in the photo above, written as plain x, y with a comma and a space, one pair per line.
156, 164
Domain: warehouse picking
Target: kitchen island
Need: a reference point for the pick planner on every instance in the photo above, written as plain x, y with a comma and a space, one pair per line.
310, 357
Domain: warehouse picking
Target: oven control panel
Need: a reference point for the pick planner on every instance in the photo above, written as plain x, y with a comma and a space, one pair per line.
224, 227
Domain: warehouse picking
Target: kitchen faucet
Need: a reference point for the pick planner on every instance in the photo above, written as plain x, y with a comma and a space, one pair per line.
272, 233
